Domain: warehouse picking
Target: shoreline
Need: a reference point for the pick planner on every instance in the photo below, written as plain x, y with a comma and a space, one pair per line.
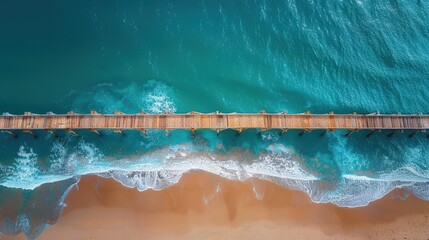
204, 205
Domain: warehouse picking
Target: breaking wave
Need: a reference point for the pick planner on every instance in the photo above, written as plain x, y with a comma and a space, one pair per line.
165, 166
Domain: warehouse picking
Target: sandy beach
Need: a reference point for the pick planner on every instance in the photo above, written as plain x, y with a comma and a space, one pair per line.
205, 206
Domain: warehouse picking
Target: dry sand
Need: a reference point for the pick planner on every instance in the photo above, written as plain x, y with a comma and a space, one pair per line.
205, 206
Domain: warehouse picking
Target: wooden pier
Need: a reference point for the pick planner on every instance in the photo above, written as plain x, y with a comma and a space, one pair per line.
216, 121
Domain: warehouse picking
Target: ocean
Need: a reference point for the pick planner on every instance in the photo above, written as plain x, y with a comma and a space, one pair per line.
232, 56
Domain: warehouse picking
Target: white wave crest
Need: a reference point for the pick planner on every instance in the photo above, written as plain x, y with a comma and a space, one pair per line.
57, 158
144, 173
164, 167
159, 98
420, 190
144, 180
25, 166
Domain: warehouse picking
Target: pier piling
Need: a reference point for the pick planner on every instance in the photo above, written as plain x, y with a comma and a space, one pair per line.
413, 133
283, 131
11, 133
304, 131
143, 131
119, 131
392, 133
349, 132
72, 132
29, 132
324, 132
51, 132
95, 131
372, 132
262, 130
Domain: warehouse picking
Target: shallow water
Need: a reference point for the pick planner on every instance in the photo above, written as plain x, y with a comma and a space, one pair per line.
232, 56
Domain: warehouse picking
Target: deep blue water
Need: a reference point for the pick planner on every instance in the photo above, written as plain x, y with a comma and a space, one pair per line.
232, 56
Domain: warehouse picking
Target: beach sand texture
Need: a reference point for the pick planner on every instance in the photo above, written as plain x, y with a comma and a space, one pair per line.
205, 206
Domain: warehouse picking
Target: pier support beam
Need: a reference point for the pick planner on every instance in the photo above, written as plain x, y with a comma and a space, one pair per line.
324, 132
349, 132
372, 132
240, 130
393, 133
193, 131
374, 113
193, 112
119, 131
414, 133
95, 131
262, 130
304, 131
283, 131
143, 131
10, 133
29, 132
72, 132
51, 132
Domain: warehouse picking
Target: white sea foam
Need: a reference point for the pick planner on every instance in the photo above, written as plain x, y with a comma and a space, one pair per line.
57, 158
25, 166
164, 167
153, 96
5, 170
145, 174
420, 190
158, 98
269, 136
23, 223
89, 153
280, 165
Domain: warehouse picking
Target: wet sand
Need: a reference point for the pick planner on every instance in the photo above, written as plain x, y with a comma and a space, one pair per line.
205, 206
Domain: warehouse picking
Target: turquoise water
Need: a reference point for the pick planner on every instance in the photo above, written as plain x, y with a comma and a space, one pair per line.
232, 56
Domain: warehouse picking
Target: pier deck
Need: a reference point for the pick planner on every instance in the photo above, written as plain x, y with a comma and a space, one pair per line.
215, 121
